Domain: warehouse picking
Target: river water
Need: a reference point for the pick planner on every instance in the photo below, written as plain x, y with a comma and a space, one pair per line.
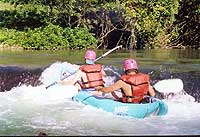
26, 109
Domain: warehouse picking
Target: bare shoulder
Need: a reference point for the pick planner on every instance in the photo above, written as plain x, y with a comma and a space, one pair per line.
121, 82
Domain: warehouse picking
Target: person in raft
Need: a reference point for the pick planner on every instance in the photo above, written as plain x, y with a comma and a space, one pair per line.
134, 86
89, 75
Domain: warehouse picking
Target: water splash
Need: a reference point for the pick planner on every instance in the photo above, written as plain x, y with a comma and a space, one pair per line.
26, 110
57, 71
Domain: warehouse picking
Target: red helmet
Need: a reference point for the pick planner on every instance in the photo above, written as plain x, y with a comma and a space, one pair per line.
90, 54
130, 64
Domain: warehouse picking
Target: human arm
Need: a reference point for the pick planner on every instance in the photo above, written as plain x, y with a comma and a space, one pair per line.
111, 88
71, 80
151, 91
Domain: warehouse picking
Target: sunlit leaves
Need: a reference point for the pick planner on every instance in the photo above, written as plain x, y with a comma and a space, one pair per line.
50, 37
154, 22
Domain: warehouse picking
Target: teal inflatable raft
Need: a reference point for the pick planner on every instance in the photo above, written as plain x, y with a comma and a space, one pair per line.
156, 108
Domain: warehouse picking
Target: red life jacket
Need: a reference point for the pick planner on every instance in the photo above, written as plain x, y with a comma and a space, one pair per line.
94, 76
139, 86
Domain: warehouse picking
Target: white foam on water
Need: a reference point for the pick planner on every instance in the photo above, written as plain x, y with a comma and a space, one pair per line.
57, 71
27, 110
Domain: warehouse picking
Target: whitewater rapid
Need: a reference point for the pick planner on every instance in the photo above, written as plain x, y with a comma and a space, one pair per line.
28, 110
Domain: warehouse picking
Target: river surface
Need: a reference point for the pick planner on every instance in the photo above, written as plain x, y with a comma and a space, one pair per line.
26, 109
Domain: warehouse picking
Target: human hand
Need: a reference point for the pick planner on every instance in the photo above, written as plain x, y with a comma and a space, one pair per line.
98, 88
61, 82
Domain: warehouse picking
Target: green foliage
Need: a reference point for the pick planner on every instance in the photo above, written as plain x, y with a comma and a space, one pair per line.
23, 17
80, 38
153, 19
5, 6
49, 37
188, 22
154, 23
9, 36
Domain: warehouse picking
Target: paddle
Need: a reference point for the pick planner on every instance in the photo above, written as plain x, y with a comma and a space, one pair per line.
169, 86
108, 52
105, 54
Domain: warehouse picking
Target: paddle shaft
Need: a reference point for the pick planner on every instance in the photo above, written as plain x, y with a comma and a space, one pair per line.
108, 52
105, 54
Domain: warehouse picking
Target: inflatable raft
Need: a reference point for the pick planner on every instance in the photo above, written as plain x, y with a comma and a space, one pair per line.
156, 108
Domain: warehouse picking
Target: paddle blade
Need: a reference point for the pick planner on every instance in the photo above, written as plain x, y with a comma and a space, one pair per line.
169, 86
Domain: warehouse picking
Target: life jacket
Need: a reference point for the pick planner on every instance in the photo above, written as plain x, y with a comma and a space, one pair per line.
94, 76
139, 86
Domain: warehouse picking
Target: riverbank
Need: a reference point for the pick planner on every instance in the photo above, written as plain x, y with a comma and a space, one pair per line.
17, 47
9, 47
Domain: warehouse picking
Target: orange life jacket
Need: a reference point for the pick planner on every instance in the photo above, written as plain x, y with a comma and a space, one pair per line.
139, 86
94, 76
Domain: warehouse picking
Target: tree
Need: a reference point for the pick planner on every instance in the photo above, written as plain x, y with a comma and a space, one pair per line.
188, 22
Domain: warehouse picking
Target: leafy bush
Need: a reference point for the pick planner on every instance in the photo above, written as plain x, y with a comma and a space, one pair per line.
10, 37
49, 37
80, 38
